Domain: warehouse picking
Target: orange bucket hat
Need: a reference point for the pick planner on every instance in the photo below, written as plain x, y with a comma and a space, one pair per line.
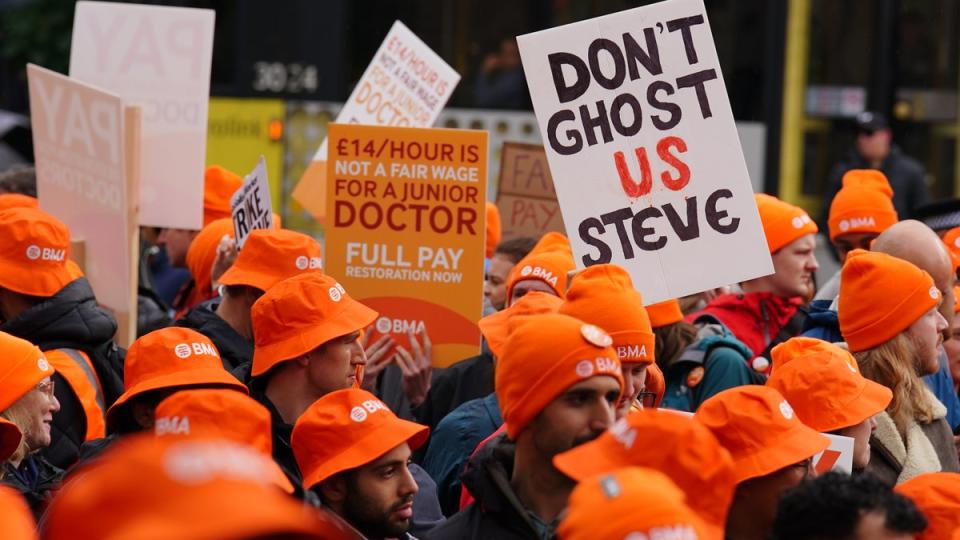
23, 367
820, 383
219, 185
629, 503
759, 429
665, 313
496, 326
219, 413
203, 252
543, 356
347, 429
494, 229
881, 296
603, 295
16, 200
937, 495
271, 256
863, 205
782, 222
34, 251
301, 313
190, 489
549, 261
10, 437
170, 358
15, 515
683, 449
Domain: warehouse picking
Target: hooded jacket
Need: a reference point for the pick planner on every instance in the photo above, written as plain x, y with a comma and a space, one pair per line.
235, 350
903, 172
36, 479
71, 319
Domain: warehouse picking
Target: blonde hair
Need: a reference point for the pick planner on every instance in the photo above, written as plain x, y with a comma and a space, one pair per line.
15, 413
893, 364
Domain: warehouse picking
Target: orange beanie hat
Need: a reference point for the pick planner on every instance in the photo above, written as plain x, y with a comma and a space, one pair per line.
219, 185
494, 229
630, 503
881, 296
202, 253
665, 313
863, 205
549, 261
603, 295
23, 367
543, 356
496, 326
782, 222
937, 495
15, 516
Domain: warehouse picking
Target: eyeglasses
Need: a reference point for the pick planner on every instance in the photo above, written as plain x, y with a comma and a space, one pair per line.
46, 387
647, 399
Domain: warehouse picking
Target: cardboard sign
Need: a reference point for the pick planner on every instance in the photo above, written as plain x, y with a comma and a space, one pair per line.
405, 232
643, 148
525, 195
158, 58
837, 457
80, 152
406, 84
250, 205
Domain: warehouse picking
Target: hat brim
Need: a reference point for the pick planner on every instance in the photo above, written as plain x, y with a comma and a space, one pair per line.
353, 317
250, 278
586, 460
10, 437
802, 443
873, 400
45, 283
375, 444
205, 377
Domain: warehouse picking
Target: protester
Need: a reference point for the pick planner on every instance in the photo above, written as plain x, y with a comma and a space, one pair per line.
45, 300
836, 506
605, 506
889, 318
545, 269
951, 347
354, 454
201, 256
937, 495
772, 451
506, 255
268, 257
677, 446
557, 382
826, 391
767, 312
15, 516
27, 400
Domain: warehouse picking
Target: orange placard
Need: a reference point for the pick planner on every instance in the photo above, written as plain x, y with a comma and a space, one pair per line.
525, 195
405, 229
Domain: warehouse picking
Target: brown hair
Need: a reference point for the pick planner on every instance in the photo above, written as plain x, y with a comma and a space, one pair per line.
671, 340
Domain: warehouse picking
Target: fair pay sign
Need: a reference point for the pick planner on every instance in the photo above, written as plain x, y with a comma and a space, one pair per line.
250, 205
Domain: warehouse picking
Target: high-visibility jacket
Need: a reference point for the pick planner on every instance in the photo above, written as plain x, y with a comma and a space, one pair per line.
75, 366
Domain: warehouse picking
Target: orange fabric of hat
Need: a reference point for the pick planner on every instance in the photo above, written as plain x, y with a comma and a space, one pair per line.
952, 240
819, 381
24, 365
301, 313
271, 256
219, 413
656, 382
604, 295
665, 313
937, 495
494, 229
669, 442
956, 294
219, 185
34, 250
201, 255
782, 222
880, 297
630, 503
543, 356
549, 261
496, 326
758, 427
10, 437
863, 205
15, 516
347, 429
16, 200
171, 358
184, 488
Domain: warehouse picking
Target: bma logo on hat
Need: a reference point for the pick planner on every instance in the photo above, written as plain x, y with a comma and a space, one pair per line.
303, 262
786, 410
357, 414
172, 425
526, 270
585, 368
844, 226
368, 407
337, 292
48, 254
934, 293
799, 221
42, 364
184, 350
33, 252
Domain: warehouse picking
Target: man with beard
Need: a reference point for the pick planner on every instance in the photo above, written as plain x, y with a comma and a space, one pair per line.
354, 454
558, 382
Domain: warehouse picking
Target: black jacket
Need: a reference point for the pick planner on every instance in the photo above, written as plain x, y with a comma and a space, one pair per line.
72, 319
235, 349
280, 433
35, 479
905, 174
496, 512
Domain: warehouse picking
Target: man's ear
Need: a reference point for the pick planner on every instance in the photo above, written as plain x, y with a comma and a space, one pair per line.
333, 490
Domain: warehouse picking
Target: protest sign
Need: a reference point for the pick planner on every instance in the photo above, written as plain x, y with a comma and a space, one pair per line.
525, 195
250, 205
643, 148
405, 233
837, 457
406, 84
81, 158
158, 58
